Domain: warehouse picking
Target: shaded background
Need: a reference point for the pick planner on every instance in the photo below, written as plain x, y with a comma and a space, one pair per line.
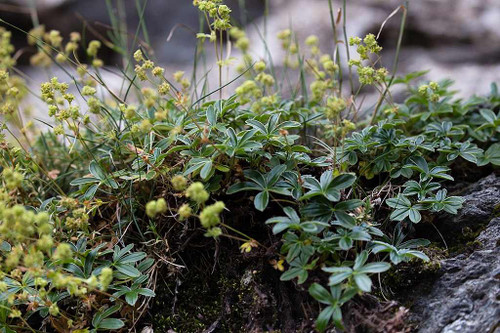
457, 39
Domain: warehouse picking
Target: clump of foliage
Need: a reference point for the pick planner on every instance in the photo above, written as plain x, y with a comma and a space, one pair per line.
342, 186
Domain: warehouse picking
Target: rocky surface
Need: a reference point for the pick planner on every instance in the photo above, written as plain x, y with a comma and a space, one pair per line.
481, 200
466, 297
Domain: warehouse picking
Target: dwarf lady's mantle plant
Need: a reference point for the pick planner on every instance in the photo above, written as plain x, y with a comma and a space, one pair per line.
106, 199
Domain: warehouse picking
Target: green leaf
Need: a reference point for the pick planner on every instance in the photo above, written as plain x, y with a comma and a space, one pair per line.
414, 215
244, 186
349, 204
324, 318
205, 171
133, 257
83, 181
128, 270
363, 282
374, 267
320, 293
488, 115
146, 292
5, 247
261, 200
211, 115
360, 260
291, 274
345, 243
339, 274
109, 311
97, 171
131, 297
90, 192
275, 173
343, 181
111, 324
492, 154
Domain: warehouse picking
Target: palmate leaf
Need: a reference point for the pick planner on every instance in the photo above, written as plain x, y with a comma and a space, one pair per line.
466, 150
334, 299
328, 186
322, 210
292, 221
358, 272
267, 183
491, 155
404, 253
299, 268
442, 202
403, 208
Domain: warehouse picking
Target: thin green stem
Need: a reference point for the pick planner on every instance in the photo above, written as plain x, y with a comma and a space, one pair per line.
396, 60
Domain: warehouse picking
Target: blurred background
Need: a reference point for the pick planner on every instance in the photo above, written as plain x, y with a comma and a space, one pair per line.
457, 39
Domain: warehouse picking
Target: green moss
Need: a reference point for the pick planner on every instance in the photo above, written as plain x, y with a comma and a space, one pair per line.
201, 301
496, 210
467, 241
416, 276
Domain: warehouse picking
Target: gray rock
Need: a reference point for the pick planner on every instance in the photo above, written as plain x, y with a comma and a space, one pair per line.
466, 298
481, 199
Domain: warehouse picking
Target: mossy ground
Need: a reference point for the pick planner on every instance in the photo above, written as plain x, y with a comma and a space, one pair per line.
232, 293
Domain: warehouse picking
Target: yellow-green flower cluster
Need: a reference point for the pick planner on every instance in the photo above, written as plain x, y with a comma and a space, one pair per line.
265, 79
241, 40
52, 42
181, 79
286, 37
217, 11
365, 47
17, 223
12, 88
6, 49
78, 221
430, 91
164, 88
88, 91
92, 50
12, 178
334, 106
318, 89
156, 207
149, 97
243, 43
129, 111
348, 126
12, 91
143, 68
290, 47
196, 192
56, 96
368, 75
106, 277
179, 182
209, 218
313, 41
248, 90
185, 212
328, 65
